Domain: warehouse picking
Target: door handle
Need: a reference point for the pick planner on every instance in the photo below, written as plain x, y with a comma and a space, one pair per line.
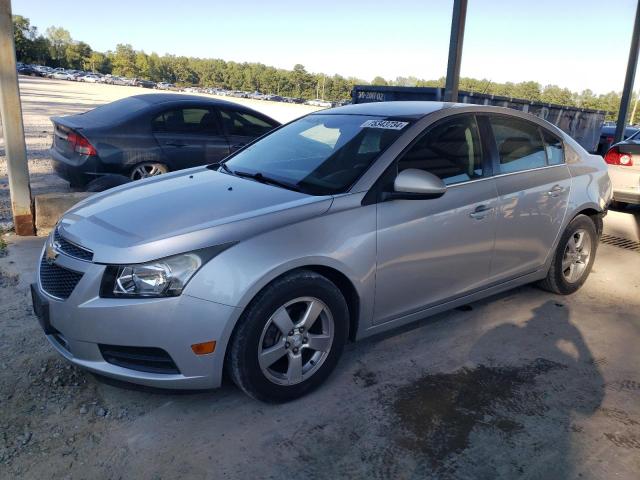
480, 212
238, 145
555, 191
175, 144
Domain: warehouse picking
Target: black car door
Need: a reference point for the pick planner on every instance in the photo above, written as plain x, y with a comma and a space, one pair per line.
190, 136
243, 127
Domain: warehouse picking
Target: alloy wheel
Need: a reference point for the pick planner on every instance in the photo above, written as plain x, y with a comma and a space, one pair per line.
577, 254
296, 341
145, 171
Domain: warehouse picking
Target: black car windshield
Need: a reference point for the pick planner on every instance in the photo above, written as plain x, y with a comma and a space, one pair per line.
318, 154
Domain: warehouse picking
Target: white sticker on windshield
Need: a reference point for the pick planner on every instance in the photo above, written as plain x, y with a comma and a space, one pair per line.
386, 124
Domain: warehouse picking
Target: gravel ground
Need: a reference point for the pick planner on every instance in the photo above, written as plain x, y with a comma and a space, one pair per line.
521, 385
44, 98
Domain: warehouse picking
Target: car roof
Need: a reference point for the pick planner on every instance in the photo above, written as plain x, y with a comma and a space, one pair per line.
157, 98
405, 109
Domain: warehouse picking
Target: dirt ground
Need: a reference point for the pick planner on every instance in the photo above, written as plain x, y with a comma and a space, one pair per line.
521, 385
44, 98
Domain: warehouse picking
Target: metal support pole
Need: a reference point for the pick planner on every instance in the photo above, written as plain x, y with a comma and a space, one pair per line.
629, 79
455, 50
11, 112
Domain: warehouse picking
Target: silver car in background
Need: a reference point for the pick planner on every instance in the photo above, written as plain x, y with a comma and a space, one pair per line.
336, 226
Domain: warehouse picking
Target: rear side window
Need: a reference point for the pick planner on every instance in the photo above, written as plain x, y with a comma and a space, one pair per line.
519, 144
450, 150
244, 124
553, 147
198, 121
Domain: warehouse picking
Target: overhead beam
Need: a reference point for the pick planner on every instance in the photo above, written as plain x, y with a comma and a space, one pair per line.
13, 130
629, 79
455, 50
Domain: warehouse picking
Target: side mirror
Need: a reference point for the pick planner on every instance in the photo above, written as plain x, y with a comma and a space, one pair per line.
415, 184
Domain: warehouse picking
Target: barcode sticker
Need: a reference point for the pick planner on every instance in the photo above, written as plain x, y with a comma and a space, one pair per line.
386, 124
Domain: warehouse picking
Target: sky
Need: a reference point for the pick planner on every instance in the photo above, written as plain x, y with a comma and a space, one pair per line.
577, 44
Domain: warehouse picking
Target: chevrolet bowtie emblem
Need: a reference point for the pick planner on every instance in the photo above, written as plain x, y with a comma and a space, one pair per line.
51, 253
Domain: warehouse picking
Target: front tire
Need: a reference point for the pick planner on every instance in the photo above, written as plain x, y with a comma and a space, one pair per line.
289, 338
573, 258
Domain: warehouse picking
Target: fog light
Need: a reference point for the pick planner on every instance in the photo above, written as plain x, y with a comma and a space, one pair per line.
203, 348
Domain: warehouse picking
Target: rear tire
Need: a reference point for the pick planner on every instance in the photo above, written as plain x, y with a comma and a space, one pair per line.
573, 258
289, 339
147, 169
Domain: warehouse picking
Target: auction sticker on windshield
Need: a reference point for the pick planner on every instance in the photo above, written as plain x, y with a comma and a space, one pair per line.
386, 124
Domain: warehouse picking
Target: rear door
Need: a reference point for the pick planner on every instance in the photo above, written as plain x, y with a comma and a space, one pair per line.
190, 136
533, 185
242, 127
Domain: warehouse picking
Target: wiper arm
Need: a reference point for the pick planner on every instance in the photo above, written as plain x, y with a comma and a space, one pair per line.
223, 165
258, 176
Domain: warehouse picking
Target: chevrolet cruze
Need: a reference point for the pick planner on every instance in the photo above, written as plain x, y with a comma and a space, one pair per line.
336, 226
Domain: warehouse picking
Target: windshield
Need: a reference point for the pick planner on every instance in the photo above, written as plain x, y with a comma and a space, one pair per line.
318, 154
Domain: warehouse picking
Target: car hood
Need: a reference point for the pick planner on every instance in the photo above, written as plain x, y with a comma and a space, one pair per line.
180, 212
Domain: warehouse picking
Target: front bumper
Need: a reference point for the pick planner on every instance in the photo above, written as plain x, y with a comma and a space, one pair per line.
78, 325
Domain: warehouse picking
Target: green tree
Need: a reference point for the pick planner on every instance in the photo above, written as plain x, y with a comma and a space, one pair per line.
379, 81
124, 61
59, 39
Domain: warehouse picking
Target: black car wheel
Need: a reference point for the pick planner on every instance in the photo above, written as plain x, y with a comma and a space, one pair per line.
289, 338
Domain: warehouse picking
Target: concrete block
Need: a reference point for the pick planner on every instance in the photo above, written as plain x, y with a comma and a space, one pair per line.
50, 207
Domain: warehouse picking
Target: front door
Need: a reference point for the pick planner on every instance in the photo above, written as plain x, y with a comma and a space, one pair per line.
190, 137
431, 251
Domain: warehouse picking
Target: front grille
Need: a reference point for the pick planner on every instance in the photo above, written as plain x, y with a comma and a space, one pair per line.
70, 248
57, 281
143, 359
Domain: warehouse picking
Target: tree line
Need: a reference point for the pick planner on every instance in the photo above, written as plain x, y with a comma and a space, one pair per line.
56, 48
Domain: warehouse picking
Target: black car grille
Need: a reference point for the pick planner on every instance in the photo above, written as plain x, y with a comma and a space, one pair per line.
143, 359
71, 249
57, 281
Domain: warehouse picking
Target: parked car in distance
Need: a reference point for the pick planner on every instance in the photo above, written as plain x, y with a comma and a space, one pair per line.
623, 160
62, 75
147, 135
30, 71
607, 133
339, 225
164, 86
139, 82
90, 78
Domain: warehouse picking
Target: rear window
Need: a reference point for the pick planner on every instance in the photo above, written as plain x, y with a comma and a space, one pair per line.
114, 111
519, 144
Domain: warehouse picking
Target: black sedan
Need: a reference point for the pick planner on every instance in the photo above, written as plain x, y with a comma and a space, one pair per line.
146, 135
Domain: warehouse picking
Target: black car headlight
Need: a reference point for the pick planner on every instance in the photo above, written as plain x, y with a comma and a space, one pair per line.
166, 277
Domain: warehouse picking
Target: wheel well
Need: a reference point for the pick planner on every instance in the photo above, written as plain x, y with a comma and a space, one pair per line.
595, 216
346, 288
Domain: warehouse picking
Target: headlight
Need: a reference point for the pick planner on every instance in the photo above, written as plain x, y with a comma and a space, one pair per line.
161, 278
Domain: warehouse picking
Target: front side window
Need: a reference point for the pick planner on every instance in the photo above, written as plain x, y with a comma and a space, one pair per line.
553, 147
244, 124
450, 150
198, 121
319, 154
519, 144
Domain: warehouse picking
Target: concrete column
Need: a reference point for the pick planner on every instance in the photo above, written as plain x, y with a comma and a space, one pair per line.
13, 130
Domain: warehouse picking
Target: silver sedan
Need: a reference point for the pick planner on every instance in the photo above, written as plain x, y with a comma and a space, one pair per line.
339, 225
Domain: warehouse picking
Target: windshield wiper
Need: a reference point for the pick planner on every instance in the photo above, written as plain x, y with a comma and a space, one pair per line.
223, 165
259, 177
